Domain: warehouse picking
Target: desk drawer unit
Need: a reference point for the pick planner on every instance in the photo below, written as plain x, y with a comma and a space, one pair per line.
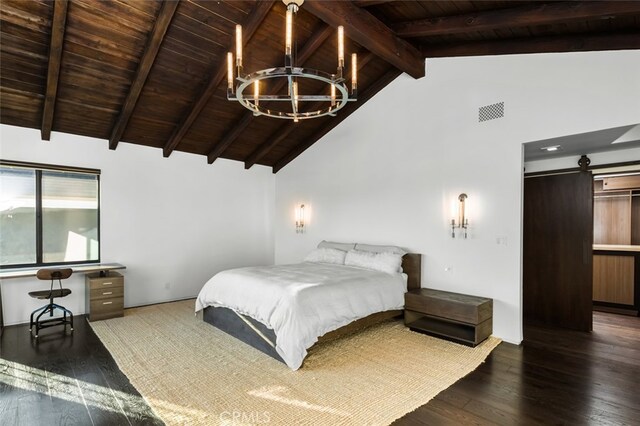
104, 296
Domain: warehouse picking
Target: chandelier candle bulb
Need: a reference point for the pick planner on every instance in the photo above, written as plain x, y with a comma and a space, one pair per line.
340, 47
354, 73
333, 95
295, 101
239, 46
289, 32
256, 92
230, 71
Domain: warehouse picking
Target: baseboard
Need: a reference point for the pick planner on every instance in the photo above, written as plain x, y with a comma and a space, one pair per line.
512, 342
9, 324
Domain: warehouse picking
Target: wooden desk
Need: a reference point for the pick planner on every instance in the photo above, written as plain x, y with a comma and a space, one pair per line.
83, 268
10, 273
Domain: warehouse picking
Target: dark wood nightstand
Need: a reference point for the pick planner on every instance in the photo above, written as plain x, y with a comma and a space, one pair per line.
453, 316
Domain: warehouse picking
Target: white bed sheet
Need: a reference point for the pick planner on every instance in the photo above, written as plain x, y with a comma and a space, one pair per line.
303, 301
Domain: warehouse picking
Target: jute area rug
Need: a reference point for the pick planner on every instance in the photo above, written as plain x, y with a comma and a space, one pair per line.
191, 373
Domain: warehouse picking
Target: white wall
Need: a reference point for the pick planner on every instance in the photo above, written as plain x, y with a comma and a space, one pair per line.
173, 222
390, 172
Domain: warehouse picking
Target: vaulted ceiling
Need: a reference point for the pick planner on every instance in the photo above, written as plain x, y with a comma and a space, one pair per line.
153, 73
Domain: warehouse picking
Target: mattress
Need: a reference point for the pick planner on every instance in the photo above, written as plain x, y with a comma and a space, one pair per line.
301, 302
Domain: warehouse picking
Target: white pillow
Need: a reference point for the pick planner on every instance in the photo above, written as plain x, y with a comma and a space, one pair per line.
385, 262
338, 246
326, 255
381, 249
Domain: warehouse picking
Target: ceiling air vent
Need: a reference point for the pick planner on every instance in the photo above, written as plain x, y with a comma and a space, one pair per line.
491, 112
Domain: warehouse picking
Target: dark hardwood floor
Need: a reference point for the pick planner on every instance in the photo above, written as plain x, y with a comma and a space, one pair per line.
65, 379
554, 377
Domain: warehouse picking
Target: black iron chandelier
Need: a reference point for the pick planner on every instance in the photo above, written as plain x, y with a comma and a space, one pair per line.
335, 97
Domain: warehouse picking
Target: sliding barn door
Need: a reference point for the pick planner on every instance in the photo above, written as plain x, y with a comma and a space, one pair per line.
557, 252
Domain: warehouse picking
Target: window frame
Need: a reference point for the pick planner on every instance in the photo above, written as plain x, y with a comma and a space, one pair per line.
38, 168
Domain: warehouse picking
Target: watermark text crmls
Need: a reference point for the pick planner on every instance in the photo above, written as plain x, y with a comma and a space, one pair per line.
252, 417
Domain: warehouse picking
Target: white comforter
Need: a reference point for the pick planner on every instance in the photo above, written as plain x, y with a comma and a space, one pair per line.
303, 301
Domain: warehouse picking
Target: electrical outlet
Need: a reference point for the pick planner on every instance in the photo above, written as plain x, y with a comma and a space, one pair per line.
167, 286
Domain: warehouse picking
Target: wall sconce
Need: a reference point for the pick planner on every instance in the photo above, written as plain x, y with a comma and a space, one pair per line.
300, 219
463, 222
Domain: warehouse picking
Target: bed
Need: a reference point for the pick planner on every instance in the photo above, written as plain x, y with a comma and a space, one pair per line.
282, 310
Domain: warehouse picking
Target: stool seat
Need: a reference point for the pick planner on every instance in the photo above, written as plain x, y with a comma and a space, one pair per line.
52, 274
46, 294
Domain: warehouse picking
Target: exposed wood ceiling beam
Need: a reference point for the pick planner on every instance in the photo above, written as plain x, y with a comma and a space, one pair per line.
281, 134
366, 30
286, 129
379, 84
315, 41
575, 43
58, 25
530, 15
249, 27
154, 41
367, 3
229, 137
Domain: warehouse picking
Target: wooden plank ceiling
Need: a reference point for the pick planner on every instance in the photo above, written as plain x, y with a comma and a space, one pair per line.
153, 72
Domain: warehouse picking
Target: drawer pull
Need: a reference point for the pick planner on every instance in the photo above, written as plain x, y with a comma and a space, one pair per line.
108, 283
107, 303
107, 292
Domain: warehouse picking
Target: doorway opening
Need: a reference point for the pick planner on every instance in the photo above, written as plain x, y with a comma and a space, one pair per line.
616, 239
581, 246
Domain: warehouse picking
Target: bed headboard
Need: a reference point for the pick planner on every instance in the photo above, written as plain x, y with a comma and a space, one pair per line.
412, 266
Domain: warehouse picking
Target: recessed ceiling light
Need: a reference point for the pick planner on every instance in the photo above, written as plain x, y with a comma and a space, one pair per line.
551, 148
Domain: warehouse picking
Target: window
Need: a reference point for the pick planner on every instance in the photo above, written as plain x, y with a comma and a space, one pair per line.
49, 215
